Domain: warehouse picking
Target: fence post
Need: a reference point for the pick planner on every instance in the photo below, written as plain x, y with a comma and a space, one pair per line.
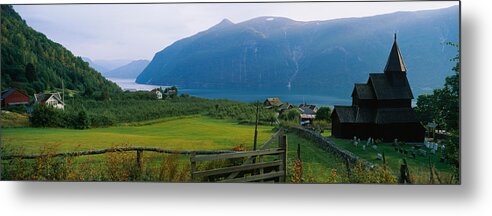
384, 162
139, 162
431, 181
298, 151
404, 173
282, 142
347, 164
193, 167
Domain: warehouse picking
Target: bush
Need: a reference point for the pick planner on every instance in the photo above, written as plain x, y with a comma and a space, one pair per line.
452, 150
82, 120
46, 116
101, 120
293, 115
324, 114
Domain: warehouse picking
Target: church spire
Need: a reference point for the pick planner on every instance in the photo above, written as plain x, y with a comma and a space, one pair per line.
395, 60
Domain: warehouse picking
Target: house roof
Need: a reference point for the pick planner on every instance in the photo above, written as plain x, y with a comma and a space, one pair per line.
9, 91
364, 91
43, 97
307, 110
386, 88
395, 60
274, 101
286, 106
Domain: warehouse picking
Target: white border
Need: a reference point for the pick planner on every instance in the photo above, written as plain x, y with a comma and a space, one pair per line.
473, 197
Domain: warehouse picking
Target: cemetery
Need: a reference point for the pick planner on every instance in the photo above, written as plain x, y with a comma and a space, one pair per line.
419, 157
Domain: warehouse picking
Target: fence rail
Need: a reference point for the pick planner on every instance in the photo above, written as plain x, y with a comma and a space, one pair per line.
122, 149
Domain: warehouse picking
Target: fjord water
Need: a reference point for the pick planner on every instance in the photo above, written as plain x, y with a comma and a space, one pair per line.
317, 96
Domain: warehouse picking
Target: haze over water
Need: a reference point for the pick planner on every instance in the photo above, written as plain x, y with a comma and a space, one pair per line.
293, 96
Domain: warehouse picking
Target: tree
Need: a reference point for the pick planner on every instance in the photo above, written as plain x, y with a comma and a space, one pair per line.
44, 116
426, 108
324, 113
442, 107
30, 72
82, 120
293, 114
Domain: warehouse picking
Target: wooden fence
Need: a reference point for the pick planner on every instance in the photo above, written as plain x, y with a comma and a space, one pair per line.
254, 165
121, 149
137, 149
263, 165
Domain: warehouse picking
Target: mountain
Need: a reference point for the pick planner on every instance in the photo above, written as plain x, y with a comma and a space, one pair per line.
111, 64
128, 71
279, 52
33, 63
94, 65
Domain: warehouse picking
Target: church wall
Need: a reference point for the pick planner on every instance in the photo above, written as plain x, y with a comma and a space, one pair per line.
394, 103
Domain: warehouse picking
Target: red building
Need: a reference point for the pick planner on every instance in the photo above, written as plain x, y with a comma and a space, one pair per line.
11, 97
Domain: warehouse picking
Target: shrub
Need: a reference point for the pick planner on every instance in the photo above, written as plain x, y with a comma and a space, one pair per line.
82, 120
46, 116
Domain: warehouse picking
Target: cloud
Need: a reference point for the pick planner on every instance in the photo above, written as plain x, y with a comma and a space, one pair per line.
138, 31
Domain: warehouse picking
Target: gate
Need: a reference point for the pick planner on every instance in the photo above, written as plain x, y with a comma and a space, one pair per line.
263, 165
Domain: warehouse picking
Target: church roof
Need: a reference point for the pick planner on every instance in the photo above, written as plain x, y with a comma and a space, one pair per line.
346, 114
350, 114
395, 60
364, 91
387, 89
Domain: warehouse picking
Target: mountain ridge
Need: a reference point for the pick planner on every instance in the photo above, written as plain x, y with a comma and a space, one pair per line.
128, 71
280, 52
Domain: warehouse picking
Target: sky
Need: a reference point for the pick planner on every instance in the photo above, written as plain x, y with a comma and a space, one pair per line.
138, 31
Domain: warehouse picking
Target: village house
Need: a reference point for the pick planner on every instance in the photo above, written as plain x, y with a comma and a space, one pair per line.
13, 97
381, 108
285, 108
49, 99
308, 113
158, 93
170, 92
272, 103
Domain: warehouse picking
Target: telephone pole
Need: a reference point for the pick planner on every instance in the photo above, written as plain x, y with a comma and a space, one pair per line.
256, 125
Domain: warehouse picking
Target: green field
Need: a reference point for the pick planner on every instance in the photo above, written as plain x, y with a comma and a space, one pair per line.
183, 133
189, 133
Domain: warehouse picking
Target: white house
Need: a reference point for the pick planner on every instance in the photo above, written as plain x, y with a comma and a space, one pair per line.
157, 93
51, 99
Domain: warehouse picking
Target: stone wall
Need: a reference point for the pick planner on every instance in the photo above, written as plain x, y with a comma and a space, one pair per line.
329, 146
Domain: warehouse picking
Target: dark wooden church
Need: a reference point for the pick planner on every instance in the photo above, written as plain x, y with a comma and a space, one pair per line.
381, 108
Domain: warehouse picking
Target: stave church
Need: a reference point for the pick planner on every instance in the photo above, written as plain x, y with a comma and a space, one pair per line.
382, 107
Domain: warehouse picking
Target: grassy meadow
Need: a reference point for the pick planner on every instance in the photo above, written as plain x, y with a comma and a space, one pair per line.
184, 133
180, 133
195, 132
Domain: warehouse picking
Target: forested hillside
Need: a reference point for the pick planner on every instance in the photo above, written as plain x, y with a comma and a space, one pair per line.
33, 63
